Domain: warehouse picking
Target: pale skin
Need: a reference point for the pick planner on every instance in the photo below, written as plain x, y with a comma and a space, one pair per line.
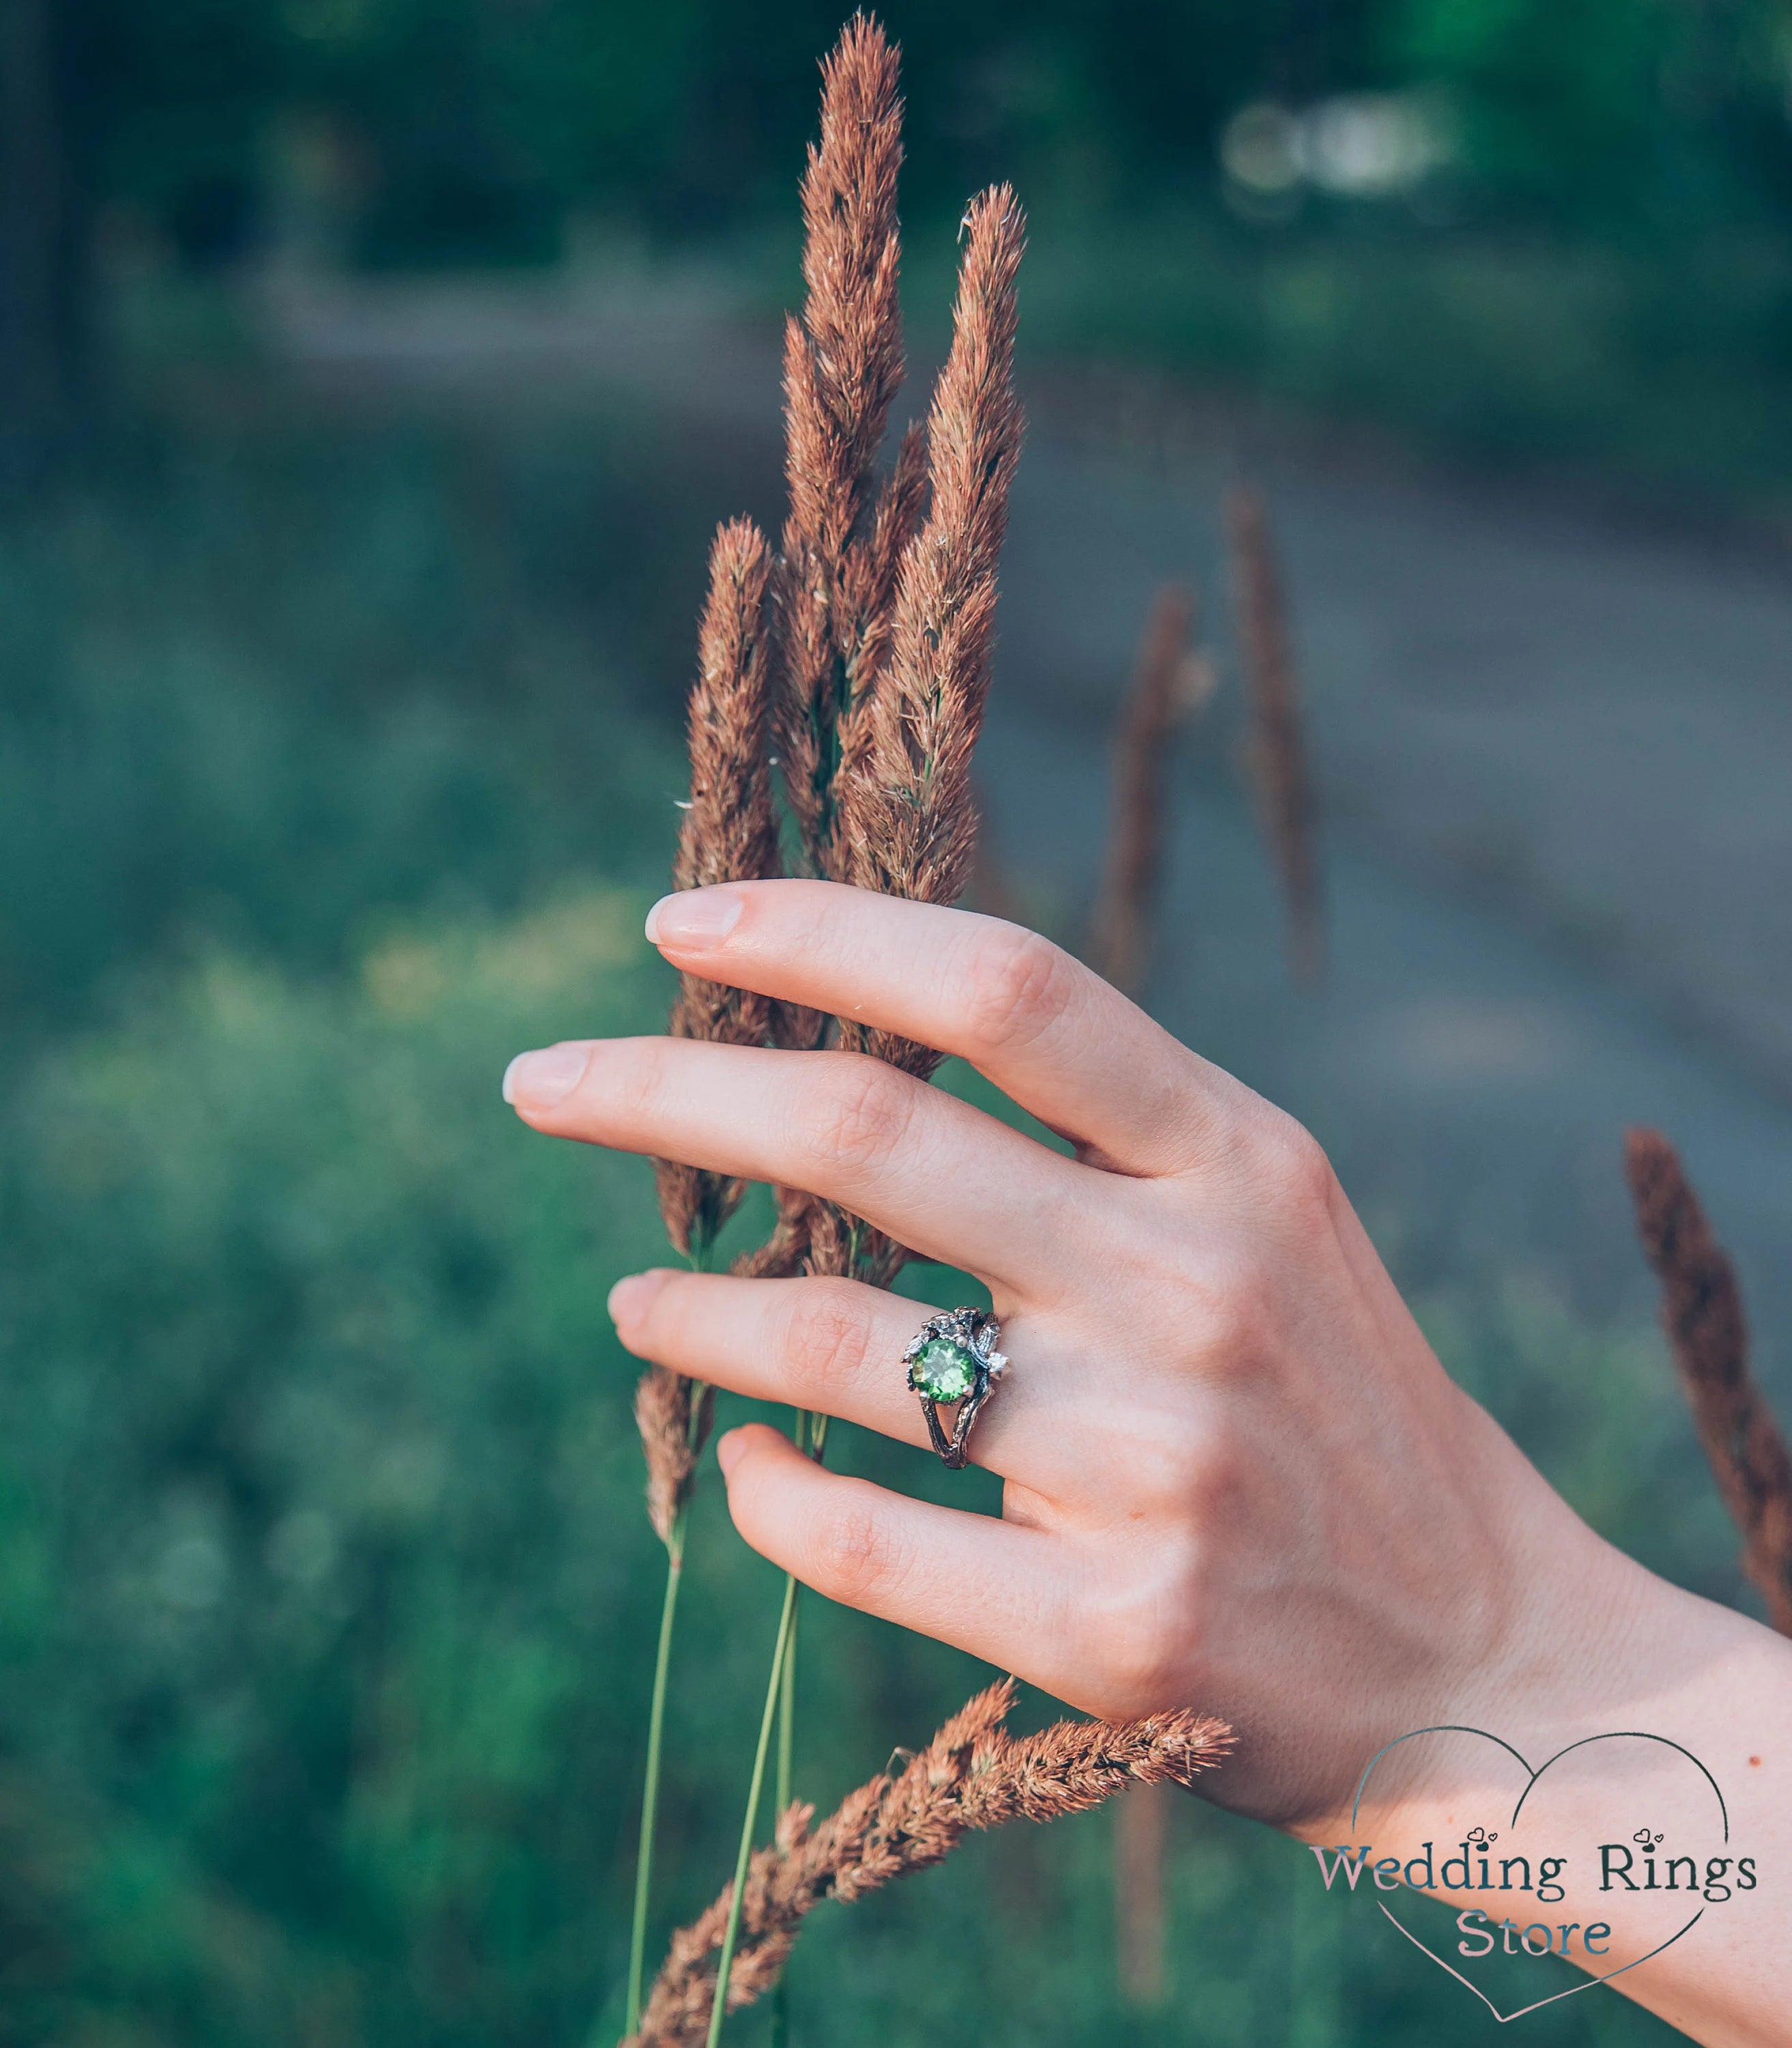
1235, 1476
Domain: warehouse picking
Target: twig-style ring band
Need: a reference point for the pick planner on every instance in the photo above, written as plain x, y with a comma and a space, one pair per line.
954, 1359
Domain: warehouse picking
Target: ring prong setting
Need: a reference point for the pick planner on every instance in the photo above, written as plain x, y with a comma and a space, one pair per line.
952, 1362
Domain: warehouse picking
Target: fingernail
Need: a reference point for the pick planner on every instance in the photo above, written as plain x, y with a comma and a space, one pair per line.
728, 1450
537, 1080
632, 1297
695, 918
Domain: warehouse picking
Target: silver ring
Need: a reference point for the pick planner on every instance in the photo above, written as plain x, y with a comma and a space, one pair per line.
953, 1359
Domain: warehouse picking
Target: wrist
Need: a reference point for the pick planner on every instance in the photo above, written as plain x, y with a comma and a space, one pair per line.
1637, 1709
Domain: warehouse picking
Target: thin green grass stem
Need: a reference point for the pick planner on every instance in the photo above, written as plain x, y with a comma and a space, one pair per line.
650, 1784
781, 1792
787, 1698
783, 1652
787, 1718
656, 1717
718, 2012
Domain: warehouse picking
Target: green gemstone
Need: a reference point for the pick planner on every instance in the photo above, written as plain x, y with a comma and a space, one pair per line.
944, 1371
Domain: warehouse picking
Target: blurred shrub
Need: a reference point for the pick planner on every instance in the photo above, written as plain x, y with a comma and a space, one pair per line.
268, 679
320, 1552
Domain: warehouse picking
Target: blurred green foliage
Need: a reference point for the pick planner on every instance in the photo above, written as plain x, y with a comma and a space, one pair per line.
478, 120
263, 684
1588, 258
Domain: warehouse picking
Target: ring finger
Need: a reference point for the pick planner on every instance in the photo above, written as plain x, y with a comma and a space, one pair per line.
833, 1345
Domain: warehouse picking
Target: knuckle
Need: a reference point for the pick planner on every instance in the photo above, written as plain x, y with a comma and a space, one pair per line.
1297, 1172
1228, 1312
1166, 1463
1137, 1667
858, 1118
1016, 984
826, 1338
1141, 1641
855, 1558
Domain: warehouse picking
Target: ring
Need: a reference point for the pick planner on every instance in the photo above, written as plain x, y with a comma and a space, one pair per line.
954, 1358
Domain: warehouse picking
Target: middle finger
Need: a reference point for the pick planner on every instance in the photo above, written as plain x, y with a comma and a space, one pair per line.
939, 1176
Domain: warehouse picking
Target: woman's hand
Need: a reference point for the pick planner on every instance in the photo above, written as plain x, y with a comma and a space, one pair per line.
1236, 1476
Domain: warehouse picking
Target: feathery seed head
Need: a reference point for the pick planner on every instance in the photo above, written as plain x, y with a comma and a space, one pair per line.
972, 1776
1702, 1314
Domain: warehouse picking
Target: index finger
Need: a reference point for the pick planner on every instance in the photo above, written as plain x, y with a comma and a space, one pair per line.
1048, 1031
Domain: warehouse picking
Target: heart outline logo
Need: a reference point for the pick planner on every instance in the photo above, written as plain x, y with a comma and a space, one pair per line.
1615, 1735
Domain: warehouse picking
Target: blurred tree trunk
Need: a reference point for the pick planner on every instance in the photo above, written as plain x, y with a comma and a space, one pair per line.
41, 294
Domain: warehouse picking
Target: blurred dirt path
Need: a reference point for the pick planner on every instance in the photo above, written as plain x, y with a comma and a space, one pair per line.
1555, 748
1585, 725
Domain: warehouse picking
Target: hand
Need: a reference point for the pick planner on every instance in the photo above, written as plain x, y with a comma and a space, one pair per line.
1236, 1476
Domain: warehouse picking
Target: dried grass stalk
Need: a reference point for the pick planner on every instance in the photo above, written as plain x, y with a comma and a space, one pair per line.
1278, 747
1702, 1313
860, 586
835, 578
672, 1438
910, 816
910, 810
729, 834
972, 1776
786, 1251
885, 621
843, 364
1170, 685
871, 581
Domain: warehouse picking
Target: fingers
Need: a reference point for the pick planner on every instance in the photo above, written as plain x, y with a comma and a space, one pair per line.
934, 1172
833, 1345
1045, 1029
989, 1587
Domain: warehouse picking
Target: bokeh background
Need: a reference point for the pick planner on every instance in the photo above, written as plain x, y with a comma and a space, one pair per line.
371, 374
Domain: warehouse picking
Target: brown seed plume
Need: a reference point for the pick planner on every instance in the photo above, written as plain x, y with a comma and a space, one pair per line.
911, 817
1702, 1313
911, 807
729, 834
909, 810
1170, 685
883, 598
672, 1436
843, 364
1279, 751
786, 1251
972, 1776
843, 538
870, 580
